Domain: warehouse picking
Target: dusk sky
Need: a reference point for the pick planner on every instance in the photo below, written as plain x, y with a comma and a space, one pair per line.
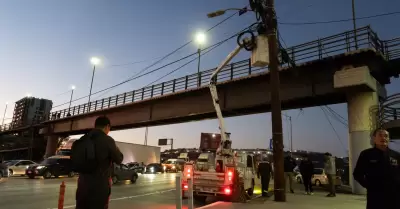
46, 45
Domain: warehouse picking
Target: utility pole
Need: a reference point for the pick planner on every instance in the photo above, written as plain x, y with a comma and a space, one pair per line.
145, 135
291, 134
270, 21
354, 24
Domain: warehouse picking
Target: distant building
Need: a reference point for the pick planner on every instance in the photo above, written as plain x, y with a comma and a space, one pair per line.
30, 110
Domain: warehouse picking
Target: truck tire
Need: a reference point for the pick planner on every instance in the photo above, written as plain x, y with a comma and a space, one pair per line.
199, 199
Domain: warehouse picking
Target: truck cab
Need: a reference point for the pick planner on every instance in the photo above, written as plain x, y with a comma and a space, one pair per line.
220, 182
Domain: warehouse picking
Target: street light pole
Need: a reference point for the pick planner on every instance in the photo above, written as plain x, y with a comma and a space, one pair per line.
91, 86
70, 100
354, 24
269, 19
200, 39
94, 61
4, 115
198, 66
291, 134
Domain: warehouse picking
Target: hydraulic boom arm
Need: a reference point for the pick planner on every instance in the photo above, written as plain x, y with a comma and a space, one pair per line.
225, 146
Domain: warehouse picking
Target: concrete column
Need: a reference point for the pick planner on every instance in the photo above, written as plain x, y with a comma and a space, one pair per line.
51, 146
361, 123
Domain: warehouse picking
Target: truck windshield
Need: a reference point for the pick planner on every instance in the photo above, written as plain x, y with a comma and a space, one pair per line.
202, 160
170, 162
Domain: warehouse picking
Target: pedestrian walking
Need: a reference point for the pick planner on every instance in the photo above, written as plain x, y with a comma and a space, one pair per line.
93, 157
330, 170
265, 172
289, 165
378, 171
307, 171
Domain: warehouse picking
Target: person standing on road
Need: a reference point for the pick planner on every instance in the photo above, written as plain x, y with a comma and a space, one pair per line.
289, 165
307, 171
94, 187
330, 170
378, 171
265, 171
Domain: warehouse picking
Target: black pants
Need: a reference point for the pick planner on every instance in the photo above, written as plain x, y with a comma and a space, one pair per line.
265, 184
307, 183
332, 181
93, 193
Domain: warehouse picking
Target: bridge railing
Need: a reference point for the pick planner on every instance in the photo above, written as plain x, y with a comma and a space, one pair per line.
314, 50
389, 109
392, 48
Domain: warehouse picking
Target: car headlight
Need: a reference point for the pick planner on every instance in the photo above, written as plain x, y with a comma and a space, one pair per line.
165, 167
173, 167
40, 167
152, 169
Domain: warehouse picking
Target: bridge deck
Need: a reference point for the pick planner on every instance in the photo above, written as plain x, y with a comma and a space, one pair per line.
304, 54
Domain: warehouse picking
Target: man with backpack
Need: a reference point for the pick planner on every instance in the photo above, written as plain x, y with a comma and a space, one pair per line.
92, 157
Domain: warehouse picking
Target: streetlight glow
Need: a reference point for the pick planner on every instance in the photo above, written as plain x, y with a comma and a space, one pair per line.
28, 95
73, 87
6, 103
95, 60
200, 38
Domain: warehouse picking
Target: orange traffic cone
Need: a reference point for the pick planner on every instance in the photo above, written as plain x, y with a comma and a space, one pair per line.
61, 196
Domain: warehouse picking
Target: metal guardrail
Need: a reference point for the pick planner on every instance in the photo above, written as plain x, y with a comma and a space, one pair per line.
310, 51
389, 109
392, 49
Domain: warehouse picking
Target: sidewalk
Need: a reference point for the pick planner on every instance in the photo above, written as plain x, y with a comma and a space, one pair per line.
298, 201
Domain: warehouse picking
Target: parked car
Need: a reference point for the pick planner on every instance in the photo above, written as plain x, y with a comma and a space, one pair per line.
154, 168
319, 178
123, 173
53, 166
18, 167
137, 167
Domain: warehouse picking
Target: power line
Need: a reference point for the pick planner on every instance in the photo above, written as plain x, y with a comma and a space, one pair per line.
333, 128
179, 48
338, 21
138, 76
212, 48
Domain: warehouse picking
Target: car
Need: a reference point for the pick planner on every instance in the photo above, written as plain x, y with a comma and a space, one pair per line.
137, 167
320, 178
122, 173
53, 166
154, 168
18, 167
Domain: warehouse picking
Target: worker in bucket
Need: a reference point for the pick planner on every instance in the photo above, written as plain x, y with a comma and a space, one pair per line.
265, 172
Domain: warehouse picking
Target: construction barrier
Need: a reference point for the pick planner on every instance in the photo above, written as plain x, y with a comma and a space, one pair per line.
61, 196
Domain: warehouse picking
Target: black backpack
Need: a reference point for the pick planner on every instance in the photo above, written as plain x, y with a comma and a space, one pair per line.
83, 155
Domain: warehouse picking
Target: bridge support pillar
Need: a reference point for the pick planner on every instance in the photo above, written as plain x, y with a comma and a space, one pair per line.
361, 122
51, 146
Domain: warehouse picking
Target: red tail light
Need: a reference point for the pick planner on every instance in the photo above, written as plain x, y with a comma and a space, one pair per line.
229, 175
227, 191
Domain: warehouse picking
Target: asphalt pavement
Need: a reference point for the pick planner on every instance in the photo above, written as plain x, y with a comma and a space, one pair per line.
150, 191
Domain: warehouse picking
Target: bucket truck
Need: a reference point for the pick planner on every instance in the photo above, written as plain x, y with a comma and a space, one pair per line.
230, 175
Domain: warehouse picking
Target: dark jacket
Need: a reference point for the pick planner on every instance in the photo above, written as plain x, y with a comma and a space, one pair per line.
306, 168
94, 189
379, 172
264, 169
289, 164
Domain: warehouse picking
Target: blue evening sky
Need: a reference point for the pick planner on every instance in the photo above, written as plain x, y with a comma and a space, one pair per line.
46, 46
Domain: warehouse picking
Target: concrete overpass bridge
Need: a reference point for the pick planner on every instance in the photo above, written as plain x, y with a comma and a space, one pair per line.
328, 71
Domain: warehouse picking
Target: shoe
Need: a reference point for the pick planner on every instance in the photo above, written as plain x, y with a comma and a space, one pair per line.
307, 193
291, 191
331, 195
311, 193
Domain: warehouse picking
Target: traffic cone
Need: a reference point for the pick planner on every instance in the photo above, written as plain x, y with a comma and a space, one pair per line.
61, 196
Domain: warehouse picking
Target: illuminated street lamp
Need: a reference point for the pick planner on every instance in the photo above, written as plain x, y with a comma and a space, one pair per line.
200, 39
95, 61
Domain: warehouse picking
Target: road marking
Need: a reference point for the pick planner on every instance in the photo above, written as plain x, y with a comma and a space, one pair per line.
128, 197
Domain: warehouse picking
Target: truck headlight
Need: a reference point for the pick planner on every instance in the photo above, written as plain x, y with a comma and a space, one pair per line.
40, 167
173, 167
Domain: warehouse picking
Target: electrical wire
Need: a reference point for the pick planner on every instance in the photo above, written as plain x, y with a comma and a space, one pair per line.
138, 76
174, 51
339, 21
334, 130
214, 46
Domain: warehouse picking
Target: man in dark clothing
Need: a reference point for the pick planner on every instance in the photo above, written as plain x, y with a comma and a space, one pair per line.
307, 171
265, 171
289, 164
94, 189
378, 170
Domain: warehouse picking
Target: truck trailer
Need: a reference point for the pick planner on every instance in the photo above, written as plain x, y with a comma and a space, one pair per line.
132, 152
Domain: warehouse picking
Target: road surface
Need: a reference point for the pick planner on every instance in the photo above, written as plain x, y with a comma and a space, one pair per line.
150, 191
